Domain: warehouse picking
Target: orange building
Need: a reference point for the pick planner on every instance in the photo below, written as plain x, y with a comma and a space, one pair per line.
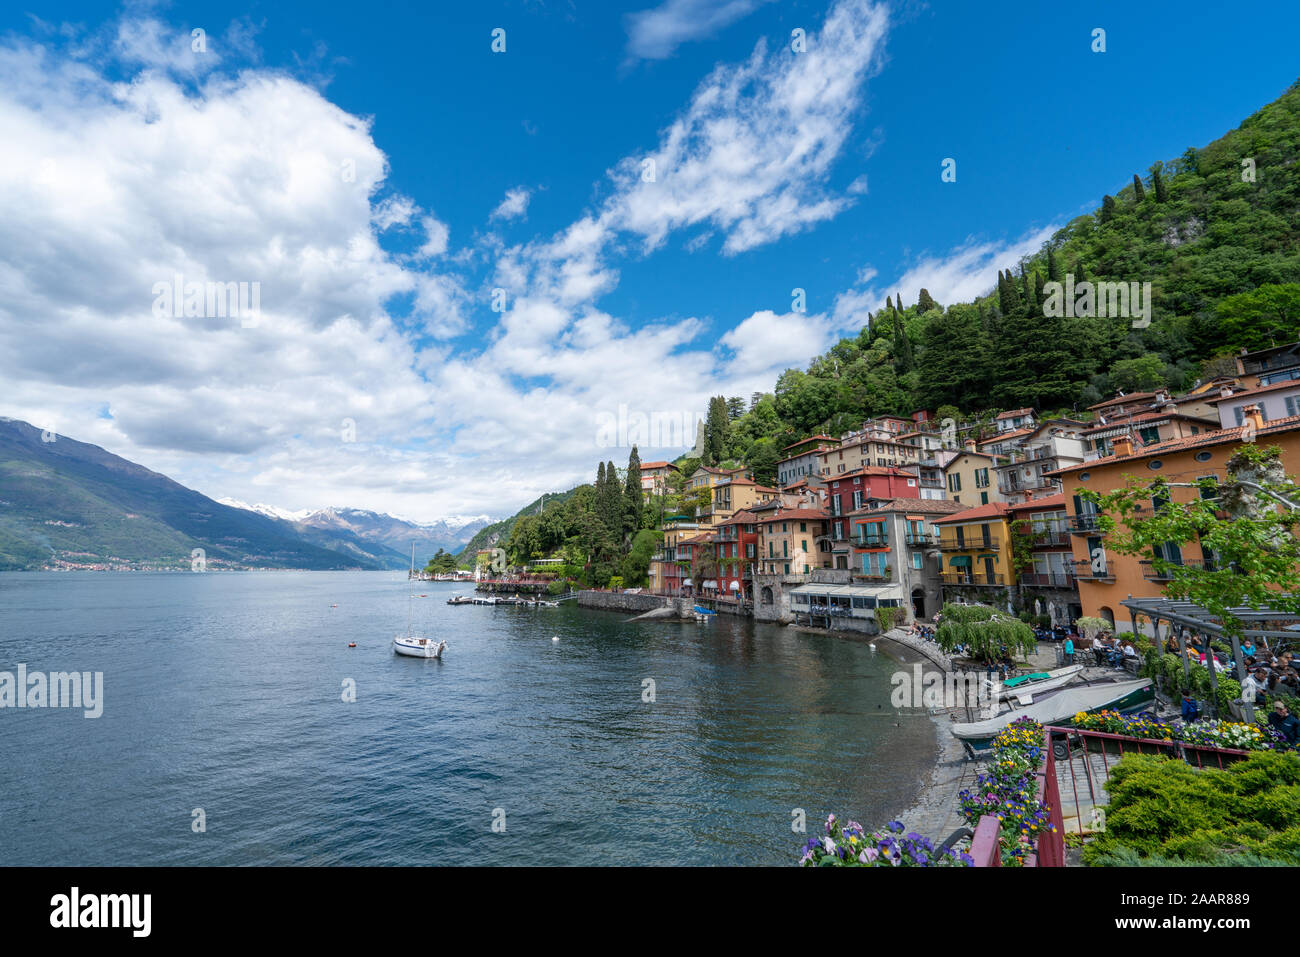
1104, 577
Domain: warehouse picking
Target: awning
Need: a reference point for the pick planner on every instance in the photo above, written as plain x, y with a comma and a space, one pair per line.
686, 582
710, 584
734, 586
960, 561
848, 591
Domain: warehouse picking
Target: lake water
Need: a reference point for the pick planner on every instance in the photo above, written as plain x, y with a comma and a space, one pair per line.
225, 692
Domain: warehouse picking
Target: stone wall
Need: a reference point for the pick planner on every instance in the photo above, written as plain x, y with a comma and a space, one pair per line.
621, 601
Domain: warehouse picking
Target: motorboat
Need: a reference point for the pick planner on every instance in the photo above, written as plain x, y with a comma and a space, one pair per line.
1125, 697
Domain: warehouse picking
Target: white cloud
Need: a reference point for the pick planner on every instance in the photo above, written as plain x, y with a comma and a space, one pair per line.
436, 235
514, 206
655, 34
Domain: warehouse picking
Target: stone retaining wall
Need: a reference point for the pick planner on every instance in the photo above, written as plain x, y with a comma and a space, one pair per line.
621, 601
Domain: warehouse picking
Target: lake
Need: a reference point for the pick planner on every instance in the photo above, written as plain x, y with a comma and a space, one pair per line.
225, 692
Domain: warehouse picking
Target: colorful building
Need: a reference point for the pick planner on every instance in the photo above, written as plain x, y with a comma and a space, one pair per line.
975, 551
1104, 576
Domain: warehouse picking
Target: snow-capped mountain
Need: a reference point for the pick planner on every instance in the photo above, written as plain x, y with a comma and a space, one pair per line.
398, 534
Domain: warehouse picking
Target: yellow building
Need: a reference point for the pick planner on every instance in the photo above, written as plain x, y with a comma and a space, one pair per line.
975, 557
970, 478
792, 542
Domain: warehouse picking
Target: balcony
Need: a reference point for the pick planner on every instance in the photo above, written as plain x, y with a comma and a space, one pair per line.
920, 539
962, 544
872, 541
1047, 537
1084, 573
972, 578
1062, 579
1085, 524
1152, 574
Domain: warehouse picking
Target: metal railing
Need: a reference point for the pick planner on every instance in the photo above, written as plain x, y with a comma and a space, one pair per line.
1084, 523
972, 578
954, 544
1063, 579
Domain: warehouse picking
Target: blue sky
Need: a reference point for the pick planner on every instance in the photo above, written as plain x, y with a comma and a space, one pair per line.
818, 170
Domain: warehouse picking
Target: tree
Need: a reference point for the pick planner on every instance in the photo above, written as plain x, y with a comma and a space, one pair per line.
986, 633
1260, 318
633, 495
1158, 184
924, 302
715, 431
1143, 374
735, 407
1107, 208
761, 461
1139, 193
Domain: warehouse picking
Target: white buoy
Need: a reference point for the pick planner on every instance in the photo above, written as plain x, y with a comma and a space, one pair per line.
555, 637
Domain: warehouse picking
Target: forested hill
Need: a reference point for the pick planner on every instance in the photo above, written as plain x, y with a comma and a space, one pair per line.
491, 536
1216, 232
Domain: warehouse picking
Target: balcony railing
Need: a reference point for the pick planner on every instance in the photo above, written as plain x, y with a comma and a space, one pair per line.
1084, 572
1044, 537
1062, 579
972, 578
919, 539
1152, 574
1083, 524
872, 541
949, 543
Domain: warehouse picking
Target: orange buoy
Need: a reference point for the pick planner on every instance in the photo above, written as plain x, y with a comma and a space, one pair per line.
352, 644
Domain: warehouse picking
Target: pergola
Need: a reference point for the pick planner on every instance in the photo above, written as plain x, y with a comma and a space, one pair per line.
1185, 616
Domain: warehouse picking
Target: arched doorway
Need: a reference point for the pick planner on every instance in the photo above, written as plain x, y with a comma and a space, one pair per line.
918, 602
767, 595
1109, 615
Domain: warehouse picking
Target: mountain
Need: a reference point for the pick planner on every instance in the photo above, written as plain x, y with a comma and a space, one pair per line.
68, 504
397, 533
1210, 242
387, 531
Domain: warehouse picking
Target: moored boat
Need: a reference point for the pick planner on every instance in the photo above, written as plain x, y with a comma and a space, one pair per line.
1026, 687
414, 646
1122, 696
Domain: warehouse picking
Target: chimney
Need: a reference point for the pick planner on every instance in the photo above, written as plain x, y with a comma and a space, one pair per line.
970, 444
1123, 445
1254, 416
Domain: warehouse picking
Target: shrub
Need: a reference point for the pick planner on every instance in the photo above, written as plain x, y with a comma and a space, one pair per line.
1163, 809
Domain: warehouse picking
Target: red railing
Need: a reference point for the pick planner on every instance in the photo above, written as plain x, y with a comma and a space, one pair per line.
986, 845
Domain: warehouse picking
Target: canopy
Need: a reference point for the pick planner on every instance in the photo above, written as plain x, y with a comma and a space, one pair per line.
962, 561
710, 584
734, 586
687, 582
814, 590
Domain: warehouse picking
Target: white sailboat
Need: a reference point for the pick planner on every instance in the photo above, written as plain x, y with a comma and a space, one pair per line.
410, 644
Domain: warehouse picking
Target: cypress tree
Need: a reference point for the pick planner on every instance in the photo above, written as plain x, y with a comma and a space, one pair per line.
1158, 184
1138, 192
924, 302
1107, 208
715, 431
1053, 267
634, 497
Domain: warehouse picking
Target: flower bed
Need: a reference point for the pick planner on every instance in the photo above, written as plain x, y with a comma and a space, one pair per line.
1009, 791
1136, 733
849, 845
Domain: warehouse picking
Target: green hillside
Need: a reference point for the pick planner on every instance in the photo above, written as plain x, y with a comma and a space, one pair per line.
65, 503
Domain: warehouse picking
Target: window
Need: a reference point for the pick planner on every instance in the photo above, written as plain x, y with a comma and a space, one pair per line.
787, 568
917, 560
954, 482
1149, 435
1240, 413
984, 498
803, 526
981, 478
1203, 456
804, 544
1155, 464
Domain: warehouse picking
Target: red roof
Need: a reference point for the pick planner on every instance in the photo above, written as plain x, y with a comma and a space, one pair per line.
1147, 417
811, 438
794, 514
1288, 384
934, 506
1124, 399
1008, 434
991, 510
657, 465
1218, 437
1015, 412
1051, 501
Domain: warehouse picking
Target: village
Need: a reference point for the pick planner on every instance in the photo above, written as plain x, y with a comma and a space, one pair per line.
908, 514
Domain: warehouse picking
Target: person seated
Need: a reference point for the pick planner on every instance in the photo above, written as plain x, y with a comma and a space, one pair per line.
1248, 648
1284, 722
